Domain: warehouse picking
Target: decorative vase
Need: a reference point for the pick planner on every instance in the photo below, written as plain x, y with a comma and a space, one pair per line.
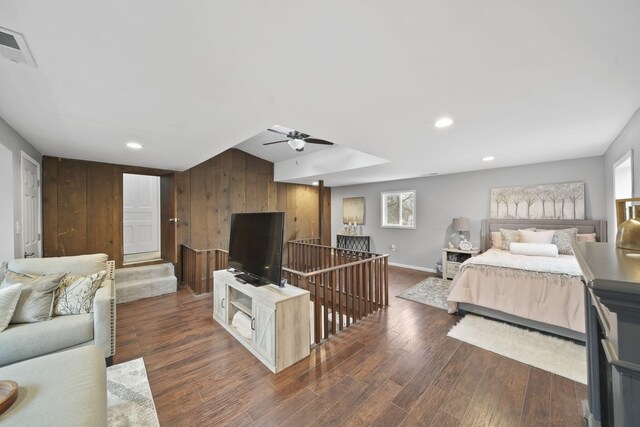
628, 236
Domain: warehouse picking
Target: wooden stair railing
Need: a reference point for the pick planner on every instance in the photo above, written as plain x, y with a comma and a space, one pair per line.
198, 266
345, 285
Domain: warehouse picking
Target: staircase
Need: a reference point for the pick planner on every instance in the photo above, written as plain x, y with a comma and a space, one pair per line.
143, 282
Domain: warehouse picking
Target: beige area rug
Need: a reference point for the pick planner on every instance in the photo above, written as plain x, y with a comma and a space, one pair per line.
431, 291
549, 353
129, 399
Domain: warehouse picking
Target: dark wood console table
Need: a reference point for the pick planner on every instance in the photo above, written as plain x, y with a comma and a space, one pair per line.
353, 242
613, 332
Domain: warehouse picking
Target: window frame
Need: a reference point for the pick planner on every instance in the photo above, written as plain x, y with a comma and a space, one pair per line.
384, 223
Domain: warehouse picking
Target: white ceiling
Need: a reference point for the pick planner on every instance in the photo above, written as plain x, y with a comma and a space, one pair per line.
525, 81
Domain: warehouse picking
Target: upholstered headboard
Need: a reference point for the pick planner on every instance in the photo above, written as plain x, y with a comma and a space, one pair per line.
584, 226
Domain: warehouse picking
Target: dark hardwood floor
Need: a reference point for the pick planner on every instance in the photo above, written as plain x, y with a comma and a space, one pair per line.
397, 367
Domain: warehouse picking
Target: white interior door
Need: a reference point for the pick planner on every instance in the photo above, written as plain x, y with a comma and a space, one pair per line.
141, 217
7, 241
30, 185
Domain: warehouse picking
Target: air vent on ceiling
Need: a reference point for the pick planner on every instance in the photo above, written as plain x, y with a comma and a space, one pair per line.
14, 47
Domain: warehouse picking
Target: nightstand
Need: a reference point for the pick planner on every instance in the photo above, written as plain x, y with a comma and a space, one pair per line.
452, 258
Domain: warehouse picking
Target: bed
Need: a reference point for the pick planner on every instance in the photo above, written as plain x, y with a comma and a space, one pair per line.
536, 292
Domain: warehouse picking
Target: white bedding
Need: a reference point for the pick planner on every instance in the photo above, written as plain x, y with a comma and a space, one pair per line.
543, 289
563, 264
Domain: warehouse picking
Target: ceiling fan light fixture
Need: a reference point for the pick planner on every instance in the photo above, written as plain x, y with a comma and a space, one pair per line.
296, 144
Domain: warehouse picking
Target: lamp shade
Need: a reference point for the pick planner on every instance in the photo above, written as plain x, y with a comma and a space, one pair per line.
461, 224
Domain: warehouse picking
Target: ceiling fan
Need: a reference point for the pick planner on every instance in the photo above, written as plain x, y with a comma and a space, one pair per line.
296, 140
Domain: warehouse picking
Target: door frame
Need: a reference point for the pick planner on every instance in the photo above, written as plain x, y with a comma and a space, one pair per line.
158, 206
168, 209
25, 157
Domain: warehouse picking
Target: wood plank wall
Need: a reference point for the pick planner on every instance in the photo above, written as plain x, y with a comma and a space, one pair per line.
82, 206
235, 181
82, 203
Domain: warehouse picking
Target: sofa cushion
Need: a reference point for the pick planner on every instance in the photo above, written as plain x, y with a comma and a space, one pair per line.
24, 341
80, 264
9, 297
67, 388
36, 298
76, 292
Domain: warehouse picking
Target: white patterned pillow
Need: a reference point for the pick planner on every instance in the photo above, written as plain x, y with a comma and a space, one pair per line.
3, 269
76, 292
9, 297
563, 238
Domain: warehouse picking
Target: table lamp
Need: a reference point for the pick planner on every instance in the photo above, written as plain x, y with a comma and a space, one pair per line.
461, 225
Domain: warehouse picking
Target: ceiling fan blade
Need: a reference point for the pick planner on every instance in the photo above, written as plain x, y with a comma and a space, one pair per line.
275, 142
317, 141
277, 131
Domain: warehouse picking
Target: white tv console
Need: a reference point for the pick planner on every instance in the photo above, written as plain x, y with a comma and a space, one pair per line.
280, 318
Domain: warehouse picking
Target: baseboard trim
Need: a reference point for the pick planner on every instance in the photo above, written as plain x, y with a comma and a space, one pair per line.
413, 267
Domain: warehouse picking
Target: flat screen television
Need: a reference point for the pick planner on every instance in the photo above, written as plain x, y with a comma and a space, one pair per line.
255, 246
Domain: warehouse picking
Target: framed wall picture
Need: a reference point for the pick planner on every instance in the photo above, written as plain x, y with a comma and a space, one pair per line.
353, 210
553, 201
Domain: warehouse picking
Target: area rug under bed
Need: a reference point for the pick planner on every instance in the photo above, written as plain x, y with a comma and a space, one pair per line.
546, 352
129, 398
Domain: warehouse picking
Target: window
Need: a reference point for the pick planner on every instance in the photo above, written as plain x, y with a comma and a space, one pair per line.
399, 209
623, 176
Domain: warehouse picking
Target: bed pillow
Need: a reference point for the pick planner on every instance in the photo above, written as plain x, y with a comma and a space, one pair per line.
509, 236
36, 296
589, 237
496, 239
538, 236
563, 238
534, 249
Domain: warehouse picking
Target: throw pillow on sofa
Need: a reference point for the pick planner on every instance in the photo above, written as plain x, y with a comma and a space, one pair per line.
36, 297
3, 268
9, 297
76, 292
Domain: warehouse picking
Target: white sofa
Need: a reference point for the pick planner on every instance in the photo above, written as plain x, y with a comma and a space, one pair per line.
28, 340
63, 389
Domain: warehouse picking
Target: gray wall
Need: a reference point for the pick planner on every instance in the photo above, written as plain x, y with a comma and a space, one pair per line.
629, 139
441, 198
11, 140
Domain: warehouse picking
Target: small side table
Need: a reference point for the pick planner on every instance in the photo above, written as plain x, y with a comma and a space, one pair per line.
452, 258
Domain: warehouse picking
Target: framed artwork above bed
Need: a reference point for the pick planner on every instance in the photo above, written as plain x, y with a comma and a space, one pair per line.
545, 201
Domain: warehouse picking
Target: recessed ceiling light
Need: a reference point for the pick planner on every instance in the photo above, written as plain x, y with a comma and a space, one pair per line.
443, 122
134, 145
488, 158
